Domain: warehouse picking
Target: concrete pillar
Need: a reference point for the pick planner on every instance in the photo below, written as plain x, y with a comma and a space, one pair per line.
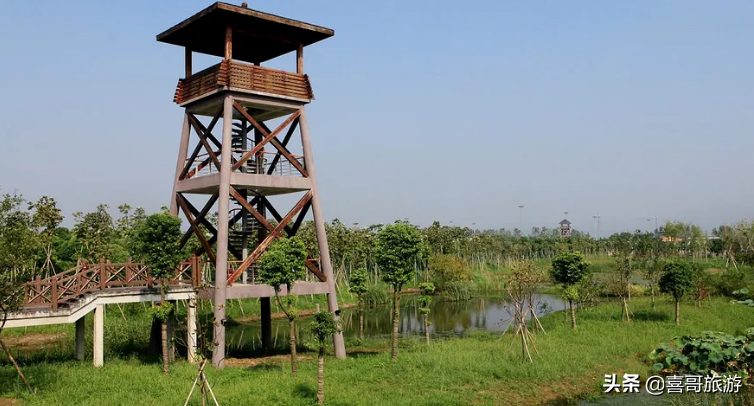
266, 319
99, 336
80, 345
221, 266
191, 342
182, 155
319, 224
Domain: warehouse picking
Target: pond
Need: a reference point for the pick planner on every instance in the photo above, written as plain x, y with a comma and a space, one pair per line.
446, 319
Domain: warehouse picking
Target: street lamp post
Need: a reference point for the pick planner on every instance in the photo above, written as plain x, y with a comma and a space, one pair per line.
597, 217
521, 218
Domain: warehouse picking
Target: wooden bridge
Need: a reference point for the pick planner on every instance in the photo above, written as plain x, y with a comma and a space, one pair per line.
69, 296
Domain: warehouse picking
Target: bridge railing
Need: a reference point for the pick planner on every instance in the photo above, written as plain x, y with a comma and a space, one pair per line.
89, 278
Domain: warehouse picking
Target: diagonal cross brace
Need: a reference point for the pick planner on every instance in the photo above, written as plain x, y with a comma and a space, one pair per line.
271, 138
273, 235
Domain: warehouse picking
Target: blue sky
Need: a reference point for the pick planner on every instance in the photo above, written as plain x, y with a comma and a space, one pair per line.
431, 110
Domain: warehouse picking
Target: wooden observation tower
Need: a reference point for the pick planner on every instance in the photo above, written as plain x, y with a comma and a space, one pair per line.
258, 115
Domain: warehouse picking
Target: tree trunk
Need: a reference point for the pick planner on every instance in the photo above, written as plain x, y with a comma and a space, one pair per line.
15, 365
361, 320
426, 328
396, 321
652, 289
565, 310
625, 309
321, 376
293, 347
677, 312
165, 359
164, 332
573, 315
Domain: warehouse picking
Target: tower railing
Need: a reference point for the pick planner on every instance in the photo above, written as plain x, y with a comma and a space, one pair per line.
203, 165
243, 77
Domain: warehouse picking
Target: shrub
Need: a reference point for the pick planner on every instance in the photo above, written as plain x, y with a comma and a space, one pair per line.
376, 293
456, 291
637, 290
448, 269
710, 352
731, 280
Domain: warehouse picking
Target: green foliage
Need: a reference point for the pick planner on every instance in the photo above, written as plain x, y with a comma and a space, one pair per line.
323, 326
677, 279
95, 232
19, 244
568, 268
162, 311
358, 281
397, 247
589, 290
156, 244
449, 269
425, 296
732, 280
283, 263
710, 352
456, 291
376, 293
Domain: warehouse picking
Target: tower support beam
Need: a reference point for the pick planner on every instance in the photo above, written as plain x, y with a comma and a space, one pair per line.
221, 264
319, 224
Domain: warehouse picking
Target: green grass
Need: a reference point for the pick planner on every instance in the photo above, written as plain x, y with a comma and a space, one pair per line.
479, 368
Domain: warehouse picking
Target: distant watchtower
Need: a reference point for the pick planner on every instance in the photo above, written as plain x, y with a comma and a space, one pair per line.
565, 228
241, 173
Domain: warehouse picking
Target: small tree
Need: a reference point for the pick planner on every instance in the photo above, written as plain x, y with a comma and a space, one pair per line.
621, 286
46, 219
425, 299
323, 327
11, 300
396, 247
284, 263
568, 269
358, 285
522, 284
156, 244
677, 280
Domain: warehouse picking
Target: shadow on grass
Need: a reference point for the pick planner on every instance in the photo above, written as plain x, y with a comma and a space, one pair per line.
265, 367
650, 315
304, 391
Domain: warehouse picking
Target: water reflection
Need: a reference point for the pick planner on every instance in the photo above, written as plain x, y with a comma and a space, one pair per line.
446, 319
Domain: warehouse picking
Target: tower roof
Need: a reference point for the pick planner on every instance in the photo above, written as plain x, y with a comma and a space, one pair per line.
565, 222
257, 36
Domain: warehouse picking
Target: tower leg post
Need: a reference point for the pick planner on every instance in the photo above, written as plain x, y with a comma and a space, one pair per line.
80, 349
99, 336
319, 224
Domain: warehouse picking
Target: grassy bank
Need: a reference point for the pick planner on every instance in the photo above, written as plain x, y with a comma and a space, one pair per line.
480, 368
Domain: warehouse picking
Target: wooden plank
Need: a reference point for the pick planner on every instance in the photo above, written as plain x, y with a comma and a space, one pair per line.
314, 269
254, 256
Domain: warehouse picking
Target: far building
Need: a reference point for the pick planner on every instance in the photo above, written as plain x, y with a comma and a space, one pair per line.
565, 228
